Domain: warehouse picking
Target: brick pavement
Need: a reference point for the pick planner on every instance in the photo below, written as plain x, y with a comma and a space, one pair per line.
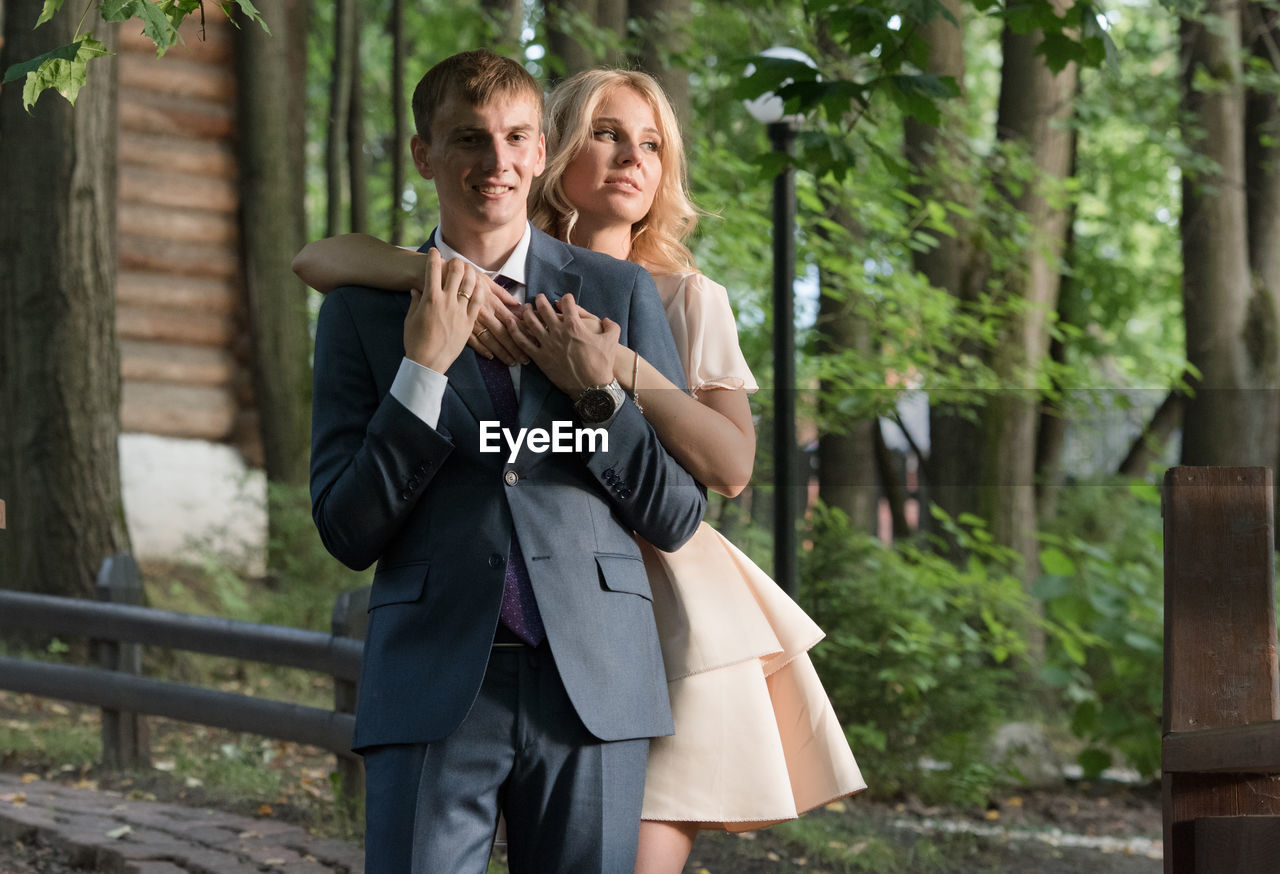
104, 831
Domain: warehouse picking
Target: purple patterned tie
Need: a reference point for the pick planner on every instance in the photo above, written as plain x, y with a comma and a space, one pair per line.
519, 608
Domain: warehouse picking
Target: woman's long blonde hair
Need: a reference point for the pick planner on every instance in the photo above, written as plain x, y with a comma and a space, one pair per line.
657, 240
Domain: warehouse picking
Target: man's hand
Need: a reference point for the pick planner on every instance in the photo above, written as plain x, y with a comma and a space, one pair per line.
441, 316
572, 347
496, 323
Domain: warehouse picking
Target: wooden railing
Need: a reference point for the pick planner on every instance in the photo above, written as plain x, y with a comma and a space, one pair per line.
118, 626
1221, 740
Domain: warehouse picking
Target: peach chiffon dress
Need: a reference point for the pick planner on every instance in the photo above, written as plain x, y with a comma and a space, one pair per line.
756, 739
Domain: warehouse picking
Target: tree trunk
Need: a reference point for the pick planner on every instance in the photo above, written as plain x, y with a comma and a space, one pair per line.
565, 22
1051, 430
272, 231
1150, 443
664, 39
846, 450
1262, 184
1034, 113
399, 122
59, 359
506, 18
339, 110
954, 438
357, 166
1230, 326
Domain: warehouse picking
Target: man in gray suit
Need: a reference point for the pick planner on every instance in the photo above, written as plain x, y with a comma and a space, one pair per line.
511, 662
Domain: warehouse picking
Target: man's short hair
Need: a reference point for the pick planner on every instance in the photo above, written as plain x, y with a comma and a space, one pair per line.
476, 77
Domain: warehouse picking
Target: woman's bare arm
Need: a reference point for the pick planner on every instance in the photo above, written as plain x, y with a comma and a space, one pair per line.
358, 259
713, 436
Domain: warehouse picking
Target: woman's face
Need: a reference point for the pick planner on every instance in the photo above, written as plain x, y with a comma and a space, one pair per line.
613, 179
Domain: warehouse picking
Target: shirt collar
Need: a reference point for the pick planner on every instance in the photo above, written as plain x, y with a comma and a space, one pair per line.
513, 268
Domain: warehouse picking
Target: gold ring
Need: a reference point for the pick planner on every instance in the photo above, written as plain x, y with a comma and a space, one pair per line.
464, 295
481, 332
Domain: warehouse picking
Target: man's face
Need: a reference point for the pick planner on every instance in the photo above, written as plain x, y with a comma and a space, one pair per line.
483, 160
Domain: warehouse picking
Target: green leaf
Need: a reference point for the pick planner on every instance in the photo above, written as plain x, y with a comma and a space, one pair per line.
1094, 761
1055, 561
156, 25
66, 76
1050, 586
118, 10
65, 53
50, 9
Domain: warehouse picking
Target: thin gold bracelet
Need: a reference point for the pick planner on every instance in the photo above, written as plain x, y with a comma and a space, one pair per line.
635, 382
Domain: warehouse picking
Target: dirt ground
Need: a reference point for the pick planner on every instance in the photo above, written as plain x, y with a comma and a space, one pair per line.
1020, 831
1096, 811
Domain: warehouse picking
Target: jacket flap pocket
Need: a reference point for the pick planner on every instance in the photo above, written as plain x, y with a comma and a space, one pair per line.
401, 584
624, 573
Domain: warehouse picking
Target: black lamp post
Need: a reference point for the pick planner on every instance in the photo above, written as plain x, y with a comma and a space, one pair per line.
787, 487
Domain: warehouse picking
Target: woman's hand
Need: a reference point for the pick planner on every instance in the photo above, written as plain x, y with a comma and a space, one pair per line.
571, 346
496, 323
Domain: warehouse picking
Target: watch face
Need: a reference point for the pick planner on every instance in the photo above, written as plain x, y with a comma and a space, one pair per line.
595, 405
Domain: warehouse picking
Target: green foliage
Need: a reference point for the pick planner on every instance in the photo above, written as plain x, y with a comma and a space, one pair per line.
1102, 588
304, 577
920, 652
65, 68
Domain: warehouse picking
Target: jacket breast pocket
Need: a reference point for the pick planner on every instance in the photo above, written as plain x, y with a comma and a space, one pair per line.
623, 573
402, 584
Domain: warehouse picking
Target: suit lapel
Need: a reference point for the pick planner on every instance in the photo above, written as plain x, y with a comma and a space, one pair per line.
545, 273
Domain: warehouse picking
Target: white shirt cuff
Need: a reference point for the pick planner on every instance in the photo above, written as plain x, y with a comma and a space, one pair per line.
420, 389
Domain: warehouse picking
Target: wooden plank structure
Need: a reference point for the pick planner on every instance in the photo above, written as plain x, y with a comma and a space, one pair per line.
181, 302
1221, 734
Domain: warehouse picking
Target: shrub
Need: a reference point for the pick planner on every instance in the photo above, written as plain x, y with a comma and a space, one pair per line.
919, 651
1102, 589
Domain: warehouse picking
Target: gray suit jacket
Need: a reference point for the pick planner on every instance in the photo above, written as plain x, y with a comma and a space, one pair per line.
437, 514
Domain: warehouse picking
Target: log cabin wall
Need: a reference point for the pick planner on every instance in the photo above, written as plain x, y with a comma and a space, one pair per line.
181, 301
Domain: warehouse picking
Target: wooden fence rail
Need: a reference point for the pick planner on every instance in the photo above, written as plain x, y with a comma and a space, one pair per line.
117, 630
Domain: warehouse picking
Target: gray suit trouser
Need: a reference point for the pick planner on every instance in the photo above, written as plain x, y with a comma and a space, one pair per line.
571, 801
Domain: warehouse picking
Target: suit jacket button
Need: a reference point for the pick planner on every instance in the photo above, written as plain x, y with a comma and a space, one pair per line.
495, 560
511, 477
625, 493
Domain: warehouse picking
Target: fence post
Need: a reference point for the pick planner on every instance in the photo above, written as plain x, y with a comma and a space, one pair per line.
1220, 658
125, 743
350, 619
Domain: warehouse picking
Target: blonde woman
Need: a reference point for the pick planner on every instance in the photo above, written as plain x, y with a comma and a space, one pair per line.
756, 740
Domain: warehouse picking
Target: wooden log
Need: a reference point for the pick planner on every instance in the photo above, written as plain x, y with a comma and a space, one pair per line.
181, 156
178, 257
157, 188
176, 326
213, 44
1220, 660
195, 412
173, 223
178, 116
187, 78
191, 294
172, 363
1237, 844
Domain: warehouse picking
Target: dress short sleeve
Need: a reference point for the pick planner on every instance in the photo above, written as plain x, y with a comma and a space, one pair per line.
705, 332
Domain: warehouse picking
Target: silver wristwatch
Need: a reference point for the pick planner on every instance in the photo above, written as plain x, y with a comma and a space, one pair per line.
598, 403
